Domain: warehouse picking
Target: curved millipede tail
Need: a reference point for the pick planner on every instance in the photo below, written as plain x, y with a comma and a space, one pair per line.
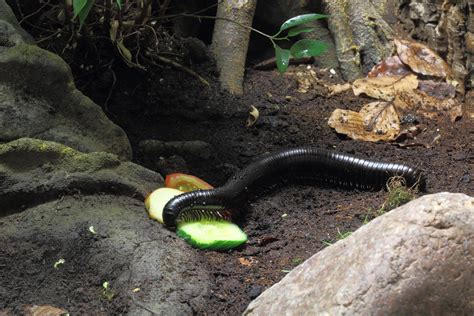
301, 162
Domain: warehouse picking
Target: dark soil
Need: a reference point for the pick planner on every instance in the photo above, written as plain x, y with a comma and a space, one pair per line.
290, 224
287, 226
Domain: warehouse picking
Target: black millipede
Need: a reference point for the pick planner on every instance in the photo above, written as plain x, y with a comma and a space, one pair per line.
299, 163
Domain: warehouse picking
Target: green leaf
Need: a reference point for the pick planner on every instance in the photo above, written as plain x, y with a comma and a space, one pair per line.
298, 30
85, 12
308, 48
300, 19
119, 4
77, 6
282, 58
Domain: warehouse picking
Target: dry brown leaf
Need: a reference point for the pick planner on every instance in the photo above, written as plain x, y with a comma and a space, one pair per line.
439, 90
113, 30
376, 121
385, 88
254, 114
124, 51
391, 66
338, 88
421, 59
306, 80
419, 103
43, 310
245, 262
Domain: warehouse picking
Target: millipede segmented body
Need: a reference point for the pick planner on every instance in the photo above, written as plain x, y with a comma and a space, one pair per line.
299, 163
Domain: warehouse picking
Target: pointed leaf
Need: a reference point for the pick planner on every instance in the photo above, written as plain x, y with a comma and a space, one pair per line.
85, 12
77, 6
282, 58
385, 88
119, 4
298, 30
308, 48
301, 19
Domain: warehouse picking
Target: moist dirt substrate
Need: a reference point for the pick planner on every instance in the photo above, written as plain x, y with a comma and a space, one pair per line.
286, 225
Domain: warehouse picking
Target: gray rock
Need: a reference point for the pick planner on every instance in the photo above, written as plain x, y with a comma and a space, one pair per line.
10, 29
415, 260
169, 165
50, 196
33, 170
129, 250
196, 148
38, 98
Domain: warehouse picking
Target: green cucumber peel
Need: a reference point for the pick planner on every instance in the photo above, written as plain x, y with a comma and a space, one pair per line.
211, 234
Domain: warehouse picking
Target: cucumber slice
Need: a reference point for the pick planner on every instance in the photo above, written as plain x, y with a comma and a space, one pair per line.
212, 234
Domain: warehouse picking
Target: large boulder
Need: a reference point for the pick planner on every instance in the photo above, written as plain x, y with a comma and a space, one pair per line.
415, 260
88, 210
38, 98
33, 170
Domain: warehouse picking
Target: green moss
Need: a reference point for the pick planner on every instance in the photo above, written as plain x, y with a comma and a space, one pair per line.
398, 194
27, 153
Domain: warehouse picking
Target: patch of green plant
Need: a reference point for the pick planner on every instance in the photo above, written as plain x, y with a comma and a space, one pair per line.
343, 235
107, 291
340, 236
398, 194
290, 28
297, 261
367, 217
327, 242
82, 8
300, 49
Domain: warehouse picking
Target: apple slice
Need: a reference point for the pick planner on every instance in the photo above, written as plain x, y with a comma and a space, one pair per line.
156, 201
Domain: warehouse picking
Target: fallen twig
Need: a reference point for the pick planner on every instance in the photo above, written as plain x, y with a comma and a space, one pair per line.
183, 68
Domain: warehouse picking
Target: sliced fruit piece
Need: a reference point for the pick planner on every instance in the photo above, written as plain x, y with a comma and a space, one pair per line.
186, 182
212, 234
156, 201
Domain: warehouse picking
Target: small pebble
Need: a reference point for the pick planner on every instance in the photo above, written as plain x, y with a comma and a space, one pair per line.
466, 178
255, 291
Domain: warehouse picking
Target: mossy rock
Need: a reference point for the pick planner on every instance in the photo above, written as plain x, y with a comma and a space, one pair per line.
33, 171
38, 98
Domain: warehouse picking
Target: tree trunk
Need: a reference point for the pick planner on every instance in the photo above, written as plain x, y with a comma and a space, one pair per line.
230, 42
362, 36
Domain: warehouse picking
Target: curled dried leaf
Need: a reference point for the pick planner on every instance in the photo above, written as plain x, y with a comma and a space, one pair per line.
385, 88
418, 103
307, 79
390, 66
124, 52
338, 88
43, 310
439, 90
376, 121
253, 116
245, 262
421, 59
113, 30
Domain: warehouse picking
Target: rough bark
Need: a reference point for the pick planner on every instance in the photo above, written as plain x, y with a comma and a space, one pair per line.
348, 56
230, 42
446, 26
362, 36
372, 34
